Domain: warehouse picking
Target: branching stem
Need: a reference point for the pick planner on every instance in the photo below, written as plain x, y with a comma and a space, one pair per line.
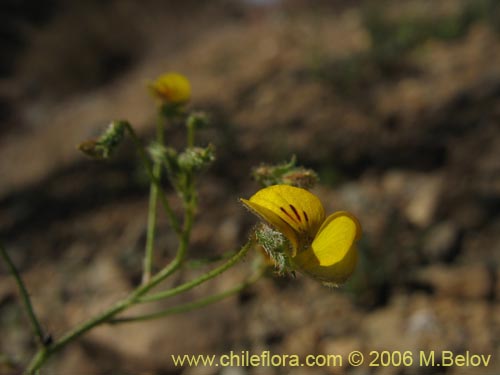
134, 297
35, 324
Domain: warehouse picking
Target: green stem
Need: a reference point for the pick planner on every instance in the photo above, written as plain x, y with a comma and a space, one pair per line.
149, 168
37, 328
44, 353
190, 134
134, 297
153, 204
186, 233
191, 305
193, 283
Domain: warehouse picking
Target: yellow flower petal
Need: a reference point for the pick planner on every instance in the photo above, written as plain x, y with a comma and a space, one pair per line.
172, 87
293, 211
332, 256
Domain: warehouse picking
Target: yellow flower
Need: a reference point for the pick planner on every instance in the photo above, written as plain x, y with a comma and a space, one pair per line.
322, 248
173, 88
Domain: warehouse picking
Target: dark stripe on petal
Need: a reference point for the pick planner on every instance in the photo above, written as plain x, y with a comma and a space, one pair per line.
296, 213
286, 213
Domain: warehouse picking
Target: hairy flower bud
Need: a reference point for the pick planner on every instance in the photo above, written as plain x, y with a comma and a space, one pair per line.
196, 158
103, 147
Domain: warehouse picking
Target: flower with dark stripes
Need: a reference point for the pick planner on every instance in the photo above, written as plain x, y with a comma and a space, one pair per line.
324, 248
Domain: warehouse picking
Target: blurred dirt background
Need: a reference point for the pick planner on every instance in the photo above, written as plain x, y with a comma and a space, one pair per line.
396, 105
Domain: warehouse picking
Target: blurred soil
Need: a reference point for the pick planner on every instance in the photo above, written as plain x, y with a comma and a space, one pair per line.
398, 111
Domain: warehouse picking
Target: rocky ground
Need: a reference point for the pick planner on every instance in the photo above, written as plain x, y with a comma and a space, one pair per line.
397, 107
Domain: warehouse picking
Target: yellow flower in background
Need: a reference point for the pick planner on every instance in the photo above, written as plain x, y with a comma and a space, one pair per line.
173, 88
322, 248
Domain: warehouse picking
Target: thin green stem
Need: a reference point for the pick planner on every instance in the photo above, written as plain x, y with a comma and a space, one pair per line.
153, 204
193, 283
202, 262
48, 351
191, 305
186, 233
37, 328
174, 222
79, 330
44, 353
190, 134
148, 281
134, 297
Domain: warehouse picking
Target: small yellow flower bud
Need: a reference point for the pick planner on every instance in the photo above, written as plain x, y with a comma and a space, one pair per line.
172, 88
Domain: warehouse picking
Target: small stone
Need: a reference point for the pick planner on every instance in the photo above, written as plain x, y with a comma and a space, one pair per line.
466, 281
423, 200
415, 194
422, 321
441, 241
